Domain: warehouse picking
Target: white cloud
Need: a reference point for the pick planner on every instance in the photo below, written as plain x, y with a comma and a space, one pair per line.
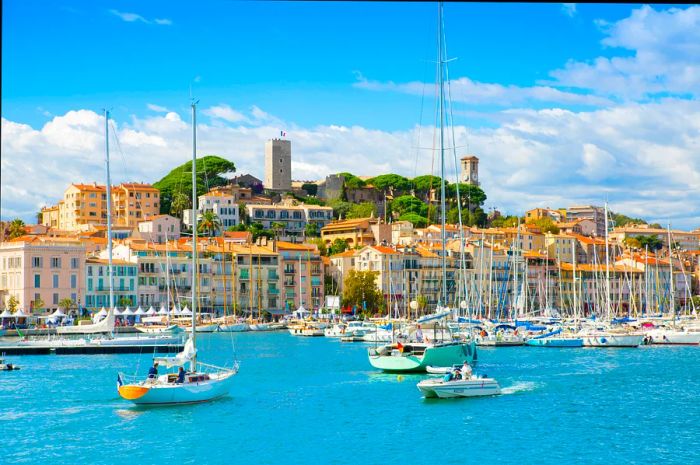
225, 112
156, 108
569, 9
133, 17
476, 93
665, 45
642, 157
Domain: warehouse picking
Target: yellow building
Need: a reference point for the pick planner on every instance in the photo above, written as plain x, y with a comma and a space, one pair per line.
84, 206
357, 232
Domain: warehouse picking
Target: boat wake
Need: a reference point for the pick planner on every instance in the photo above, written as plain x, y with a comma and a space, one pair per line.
520, 386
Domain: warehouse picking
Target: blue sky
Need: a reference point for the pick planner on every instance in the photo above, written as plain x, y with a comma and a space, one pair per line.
532, 84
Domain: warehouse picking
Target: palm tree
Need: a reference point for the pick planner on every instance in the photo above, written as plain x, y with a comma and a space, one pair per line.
180, 203
66, 304
210, 223
16, 228
277, 227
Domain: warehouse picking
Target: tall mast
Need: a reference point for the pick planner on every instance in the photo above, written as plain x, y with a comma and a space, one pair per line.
441, 64
573, 260
670, 276
193, 363
112, 303
607, 267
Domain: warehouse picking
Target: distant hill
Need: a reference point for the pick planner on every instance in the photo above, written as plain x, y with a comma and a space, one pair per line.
179, 180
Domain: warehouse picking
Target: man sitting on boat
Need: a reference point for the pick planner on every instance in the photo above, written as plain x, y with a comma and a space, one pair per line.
180, 376
419, 334
466, 371
153, 371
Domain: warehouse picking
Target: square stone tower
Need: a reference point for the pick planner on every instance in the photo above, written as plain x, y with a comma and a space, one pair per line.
470, 170
278, 165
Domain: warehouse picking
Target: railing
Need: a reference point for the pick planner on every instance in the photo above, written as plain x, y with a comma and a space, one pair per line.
289, 271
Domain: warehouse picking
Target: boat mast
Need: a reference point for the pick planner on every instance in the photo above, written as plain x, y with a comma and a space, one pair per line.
112, 303
441, 63
573, 260
607, 267
193, 363
670, 274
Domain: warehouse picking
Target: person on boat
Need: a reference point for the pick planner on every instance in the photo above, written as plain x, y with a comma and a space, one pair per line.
419, 334
180, 376
466, 371
153, 371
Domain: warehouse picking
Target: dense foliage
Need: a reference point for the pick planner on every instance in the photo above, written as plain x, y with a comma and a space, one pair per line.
360, 291
179, 180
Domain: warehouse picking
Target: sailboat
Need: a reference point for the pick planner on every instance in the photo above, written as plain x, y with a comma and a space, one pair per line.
417, 356
203, 382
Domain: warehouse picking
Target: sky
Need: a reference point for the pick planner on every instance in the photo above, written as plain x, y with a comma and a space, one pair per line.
564, 104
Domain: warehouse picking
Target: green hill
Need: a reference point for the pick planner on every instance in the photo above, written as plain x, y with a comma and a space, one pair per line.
179, 180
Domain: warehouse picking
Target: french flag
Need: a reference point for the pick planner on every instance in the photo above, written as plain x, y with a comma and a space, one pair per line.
283, 134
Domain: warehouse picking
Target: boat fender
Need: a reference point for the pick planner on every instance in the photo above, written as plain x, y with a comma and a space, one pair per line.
603, 340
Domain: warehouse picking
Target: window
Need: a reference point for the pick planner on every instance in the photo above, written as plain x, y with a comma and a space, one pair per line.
55, 298
73, 281
74, 297
89, 284
37, 281
55, 281
37, 262
74, 263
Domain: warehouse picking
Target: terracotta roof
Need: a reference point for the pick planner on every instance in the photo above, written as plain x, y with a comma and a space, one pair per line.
345, 224
347, 253
136, 185
587, 267
105, 261
383, 249
282, 245
89, 187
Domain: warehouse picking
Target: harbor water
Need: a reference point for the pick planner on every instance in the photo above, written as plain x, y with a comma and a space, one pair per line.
316, 400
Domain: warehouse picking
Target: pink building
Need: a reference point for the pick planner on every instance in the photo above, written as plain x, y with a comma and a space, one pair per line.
39, 267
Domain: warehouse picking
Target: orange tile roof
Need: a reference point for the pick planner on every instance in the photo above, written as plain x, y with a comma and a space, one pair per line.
282, 245
89, 187
347, 253
345, 224
105, 261
136, 185
384, 249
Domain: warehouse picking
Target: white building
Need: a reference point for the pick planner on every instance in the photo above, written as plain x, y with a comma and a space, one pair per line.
160, 229
292, 214
223, 205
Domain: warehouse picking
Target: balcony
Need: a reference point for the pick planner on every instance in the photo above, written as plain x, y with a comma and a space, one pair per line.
290, 270
272, 275
244, 275
273, 291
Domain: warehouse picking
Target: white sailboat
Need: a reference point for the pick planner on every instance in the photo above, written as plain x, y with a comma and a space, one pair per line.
203, 382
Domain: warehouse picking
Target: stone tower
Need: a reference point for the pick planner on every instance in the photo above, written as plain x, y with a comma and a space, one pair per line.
470, 170
278, 165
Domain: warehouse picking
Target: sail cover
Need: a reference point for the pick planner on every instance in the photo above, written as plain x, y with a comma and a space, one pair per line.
181, 358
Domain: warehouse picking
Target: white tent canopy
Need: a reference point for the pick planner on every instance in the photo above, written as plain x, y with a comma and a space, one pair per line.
162, 311
139, 311
186, 311
301, 312
175, 310
57, 313
151, 311
20, 314
117, 312
128, 312
6, 314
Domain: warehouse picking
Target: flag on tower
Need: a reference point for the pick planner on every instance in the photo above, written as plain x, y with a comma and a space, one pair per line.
283, 134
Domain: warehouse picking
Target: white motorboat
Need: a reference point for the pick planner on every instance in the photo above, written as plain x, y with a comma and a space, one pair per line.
672, 337
337, 330
609, 339
4, 366
305, 330
473, 387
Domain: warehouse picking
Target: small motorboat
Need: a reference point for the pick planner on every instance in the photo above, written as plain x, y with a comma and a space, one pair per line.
473, 387
4, 366
440, 370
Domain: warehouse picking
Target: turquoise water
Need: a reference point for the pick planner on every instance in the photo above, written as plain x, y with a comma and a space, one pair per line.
316, 400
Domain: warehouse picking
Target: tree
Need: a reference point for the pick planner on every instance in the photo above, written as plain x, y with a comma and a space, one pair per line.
632, 242
546, 225
422, 302
209, 171
470, 196
209, 224
320, 244
180, 202
16, 228
621, 220
39, 217
360, 290
390, 181
310, 188
417, 220
425, 183
66, 304
362, 210
257, 230
39, 303
352, 181
340, 208
510, 221
653, 242
277, 228
311, 230
12, 303
409, 204
125, 302
330, 285
338, 246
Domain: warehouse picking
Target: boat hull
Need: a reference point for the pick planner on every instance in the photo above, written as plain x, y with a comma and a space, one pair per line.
234, 328
612, 340
556, 342
395, 360
169, 394
431, 388
674, 338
